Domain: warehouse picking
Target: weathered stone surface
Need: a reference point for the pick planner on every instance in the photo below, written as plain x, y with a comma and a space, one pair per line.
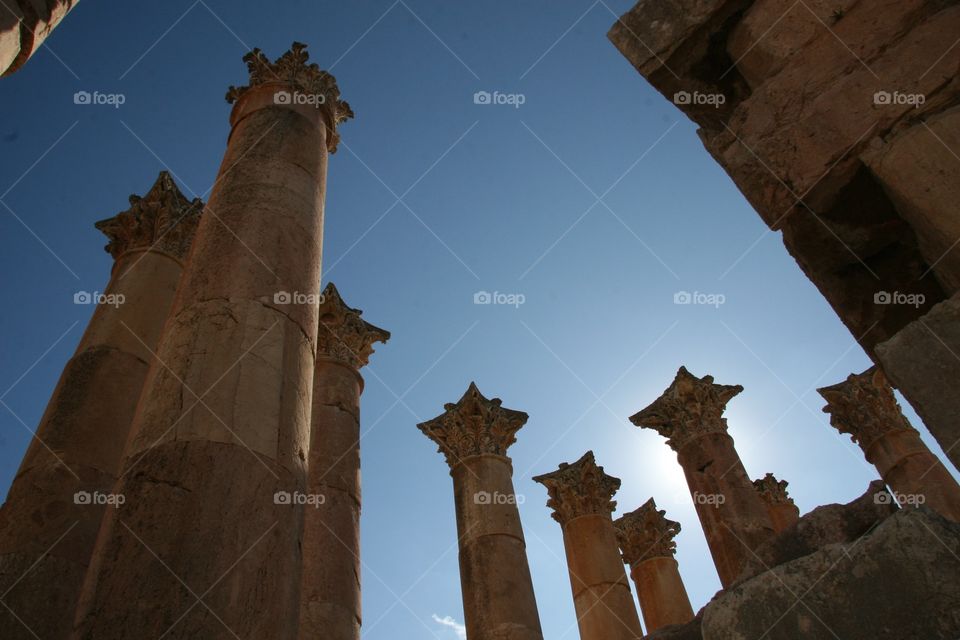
783, 511
24, 25
690, 631
921, 361
900, 579
825, 525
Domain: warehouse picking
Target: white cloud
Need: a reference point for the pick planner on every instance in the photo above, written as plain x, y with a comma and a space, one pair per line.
447, 621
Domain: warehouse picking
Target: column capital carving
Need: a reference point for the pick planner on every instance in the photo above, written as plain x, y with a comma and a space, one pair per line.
689, 408
473, 425
343, 335
864, 406
163, 219
579, 489
309, 79
773, 491
646, 533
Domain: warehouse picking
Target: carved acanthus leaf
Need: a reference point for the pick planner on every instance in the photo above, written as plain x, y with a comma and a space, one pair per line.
163, 219
773, 491
579, 489
293, 69
472, 426
343, 335
646, 533
689, 408
864, 406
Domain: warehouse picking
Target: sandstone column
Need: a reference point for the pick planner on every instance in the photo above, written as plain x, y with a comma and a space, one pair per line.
864, 406
734, 518
49, 522
646, 541
330, 591
24, 25
474, 435
580, 495
202, 548
783, 511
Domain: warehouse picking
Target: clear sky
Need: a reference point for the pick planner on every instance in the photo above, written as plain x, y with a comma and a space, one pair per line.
593, 200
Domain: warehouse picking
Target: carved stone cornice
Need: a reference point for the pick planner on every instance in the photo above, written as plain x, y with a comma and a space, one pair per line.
645, 533
343, 335
163, 219
579, 489
864, 406
309, 79
773, 491
689, 408
473, 426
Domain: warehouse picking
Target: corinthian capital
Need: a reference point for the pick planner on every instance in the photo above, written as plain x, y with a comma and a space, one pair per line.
343, 335
472, 426
579, 489
317, 86
646, 533
163, 219
690, 407
773, 491
864, 406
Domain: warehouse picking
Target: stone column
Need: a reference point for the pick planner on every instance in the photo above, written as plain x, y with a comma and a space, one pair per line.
203, 547
646, 542
580, 495
864, 406
783, 511
24, 25
49, 522
474, 435
735, 520
330, 585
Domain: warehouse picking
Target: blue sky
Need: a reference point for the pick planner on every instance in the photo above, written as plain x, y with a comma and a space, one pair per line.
593, 200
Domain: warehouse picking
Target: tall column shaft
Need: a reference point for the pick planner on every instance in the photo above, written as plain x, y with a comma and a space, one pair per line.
734, 518
24, 25
581, 497
663, 598
601, 593
498, 598
54, 508
864, 406
330, 596
223, 426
